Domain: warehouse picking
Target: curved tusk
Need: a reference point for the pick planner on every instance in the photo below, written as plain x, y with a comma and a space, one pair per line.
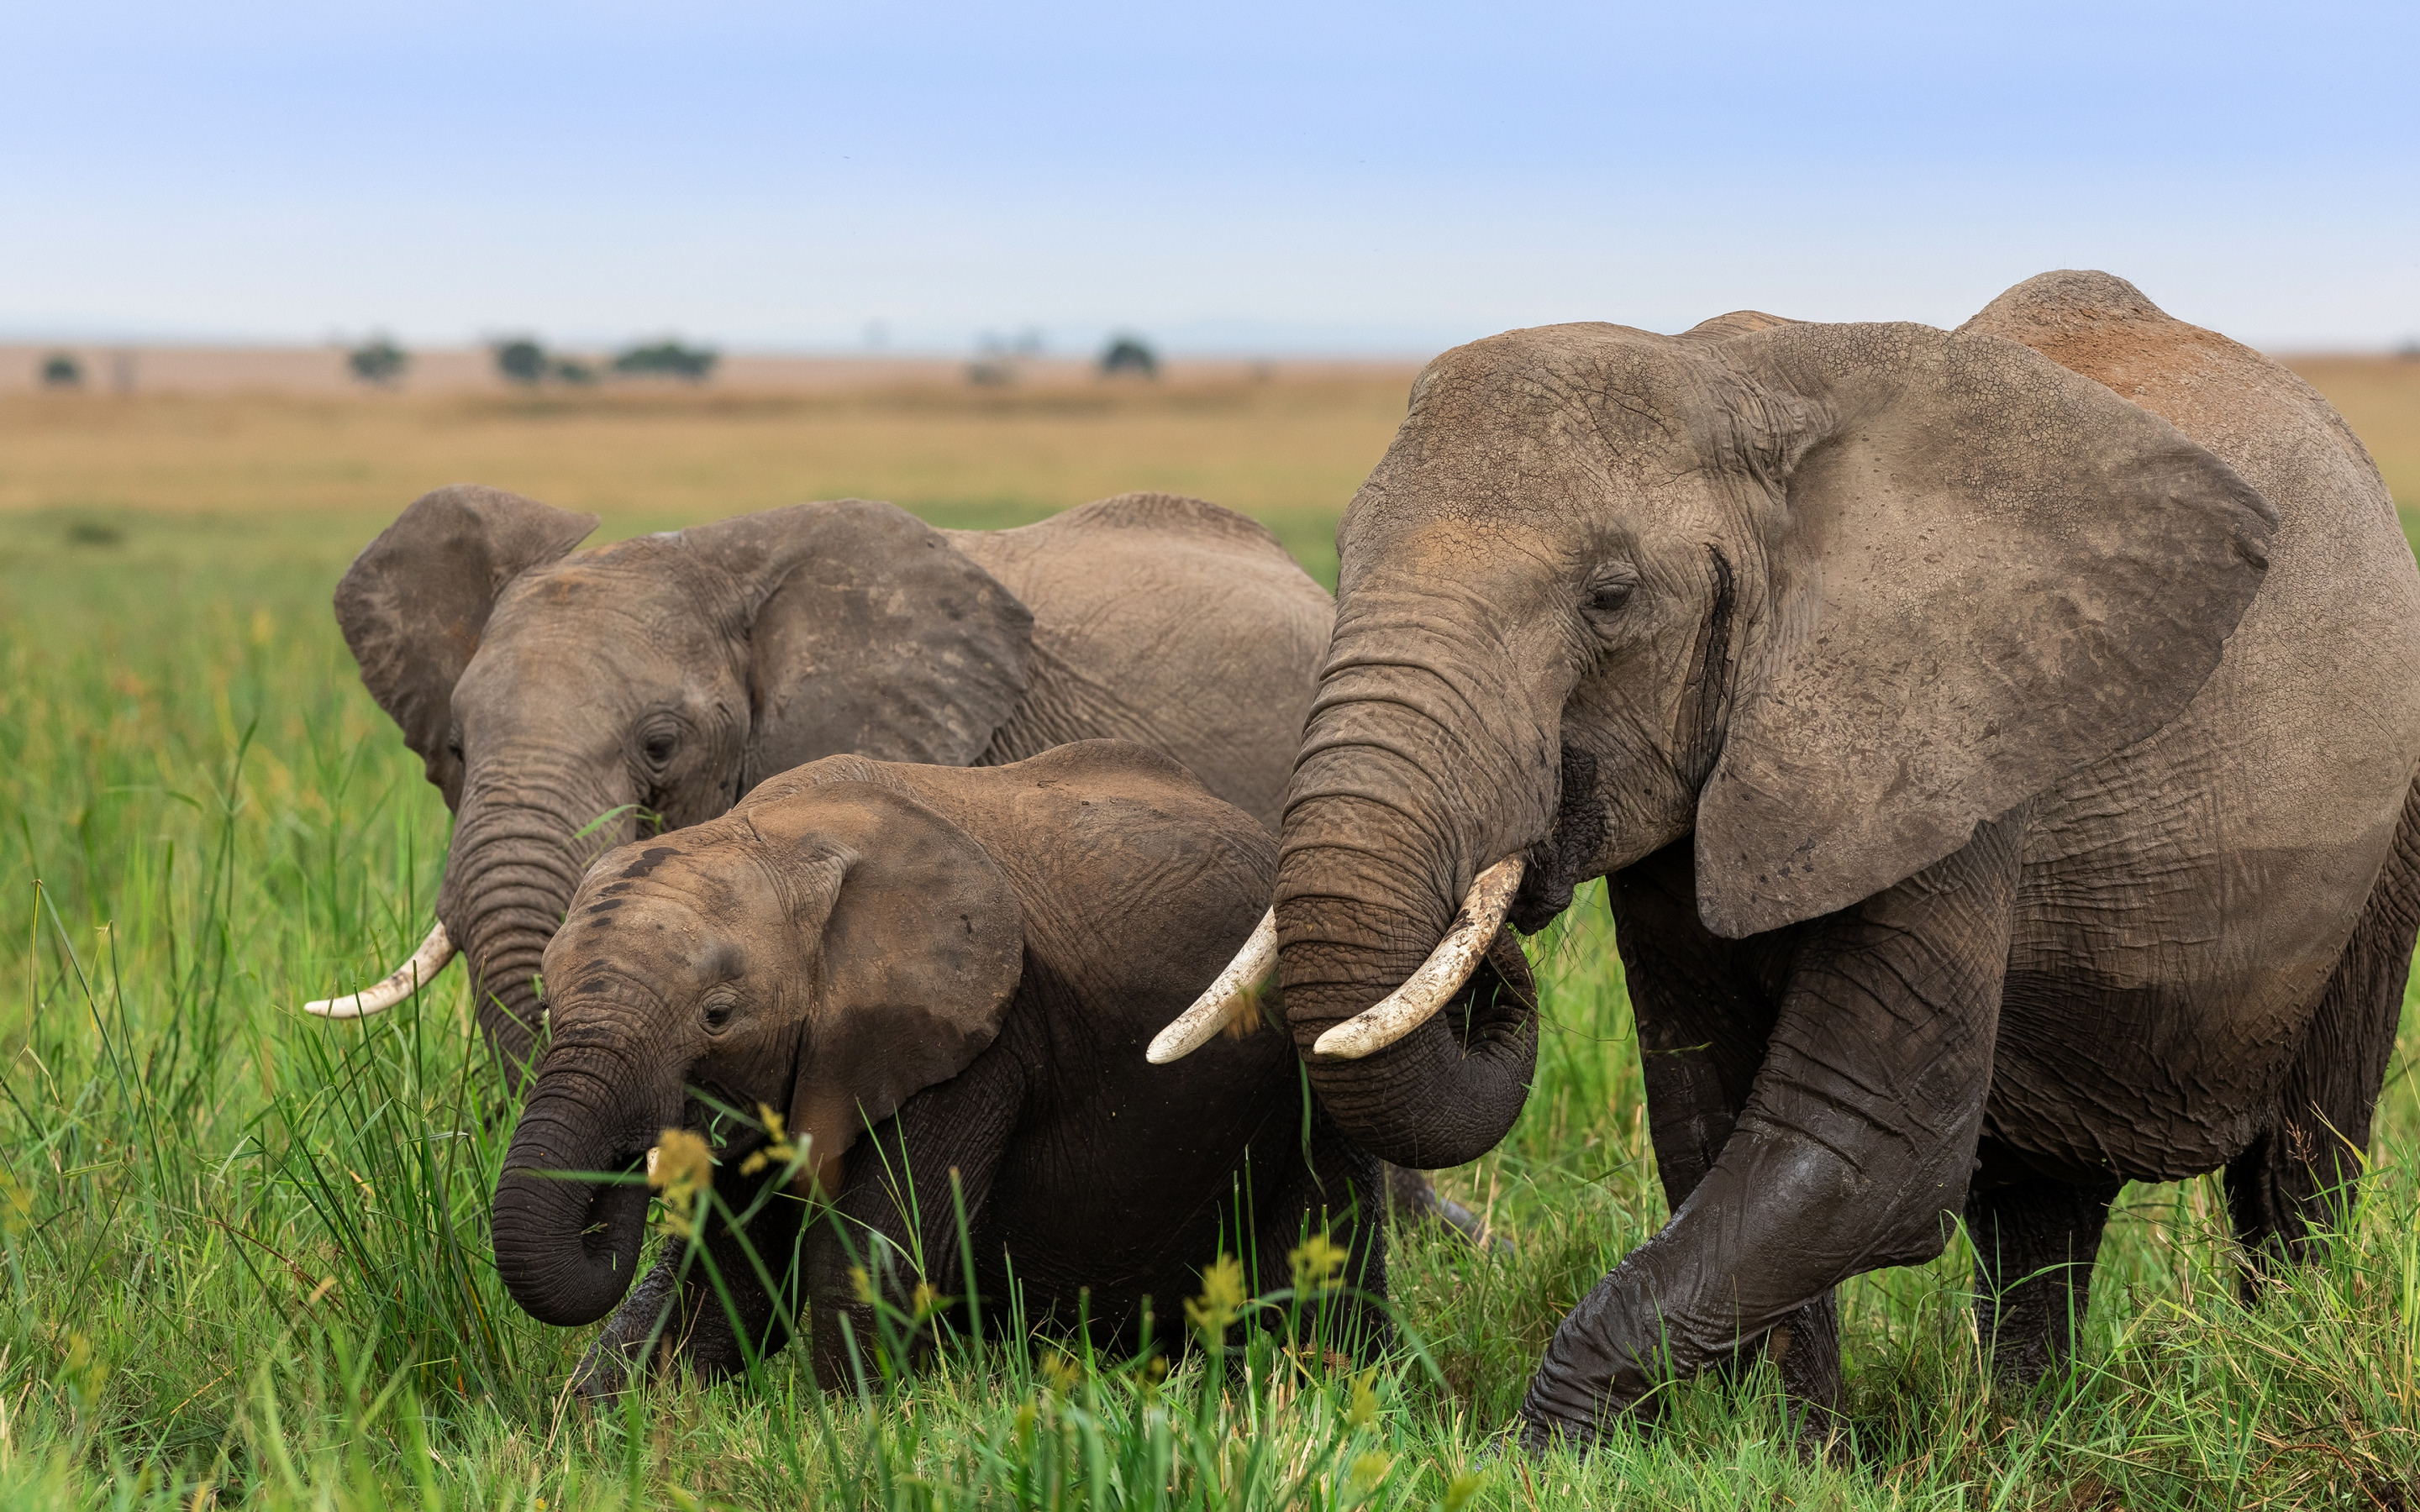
1439, 976
398, 984
1225, 1002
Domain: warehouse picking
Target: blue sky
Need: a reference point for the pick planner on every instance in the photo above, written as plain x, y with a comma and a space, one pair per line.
1279, 177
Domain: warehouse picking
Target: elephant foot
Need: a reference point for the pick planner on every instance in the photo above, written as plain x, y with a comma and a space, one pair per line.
1411, 1195
1533, 1438
604, 1372
688, 1324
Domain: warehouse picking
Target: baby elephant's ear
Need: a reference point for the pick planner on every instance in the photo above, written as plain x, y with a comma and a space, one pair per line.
923, 945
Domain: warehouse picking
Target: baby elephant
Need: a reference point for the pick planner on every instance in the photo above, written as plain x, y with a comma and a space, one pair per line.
927, 971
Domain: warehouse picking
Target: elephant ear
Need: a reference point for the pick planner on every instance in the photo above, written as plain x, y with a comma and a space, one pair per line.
870, 634
923, 945
414, 603
1989, 573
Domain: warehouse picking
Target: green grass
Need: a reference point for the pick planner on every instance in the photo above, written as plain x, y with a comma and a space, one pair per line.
245, 1250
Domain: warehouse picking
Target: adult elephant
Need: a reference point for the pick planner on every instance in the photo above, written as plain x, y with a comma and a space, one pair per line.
565, 703
2004, 771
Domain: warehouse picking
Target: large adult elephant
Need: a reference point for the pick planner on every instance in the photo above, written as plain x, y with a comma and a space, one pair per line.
2003, 770
565, 703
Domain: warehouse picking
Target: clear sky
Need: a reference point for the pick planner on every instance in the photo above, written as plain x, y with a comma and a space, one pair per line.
1241, 176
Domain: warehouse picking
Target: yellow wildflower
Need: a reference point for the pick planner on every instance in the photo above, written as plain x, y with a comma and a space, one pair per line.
1318, 1261
681, 1173
1364, 1409
1369, 1469
1222, 1297
16, 1205
1460, 1490
777, 1148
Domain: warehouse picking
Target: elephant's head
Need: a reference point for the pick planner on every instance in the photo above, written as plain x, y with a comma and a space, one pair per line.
566, 703
1826, 597
827, 952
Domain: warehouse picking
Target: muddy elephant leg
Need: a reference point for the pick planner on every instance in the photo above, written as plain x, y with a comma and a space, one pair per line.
1704, 1011
2035, 1242
897, 1219
1853, 1151
1340, 1190
691, 1320
2300, 1173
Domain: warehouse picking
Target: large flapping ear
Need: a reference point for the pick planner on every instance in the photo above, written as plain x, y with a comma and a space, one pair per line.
1993, 573
871, 635
923, 945
414, 603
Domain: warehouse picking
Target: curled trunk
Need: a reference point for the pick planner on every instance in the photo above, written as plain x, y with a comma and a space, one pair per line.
566, 1241
1390, 818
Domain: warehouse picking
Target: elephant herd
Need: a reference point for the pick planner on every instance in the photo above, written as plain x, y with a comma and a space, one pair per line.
1999, 746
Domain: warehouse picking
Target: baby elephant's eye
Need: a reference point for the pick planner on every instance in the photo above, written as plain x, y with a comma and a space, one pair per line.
719, 1007
659, 744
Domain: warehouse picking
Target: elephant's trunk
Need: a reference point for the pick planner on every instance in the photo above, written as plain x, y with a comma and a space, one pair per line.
510, 875
568, 1245
1393, 812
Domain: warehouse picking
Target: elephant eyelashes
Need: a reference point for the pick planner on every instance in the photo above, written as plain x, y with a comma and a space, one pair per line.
719, 1007
1608, 592
659, 745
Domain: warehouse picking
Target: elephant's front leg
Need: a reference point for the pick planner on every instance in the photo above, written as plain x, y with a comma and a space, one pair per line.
893, 1230
1705, 1006
1855, 1145
688, 1318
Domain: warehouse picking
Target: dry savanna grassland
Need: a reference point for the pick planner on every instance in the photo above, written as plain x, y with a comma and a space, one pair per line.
244, 1251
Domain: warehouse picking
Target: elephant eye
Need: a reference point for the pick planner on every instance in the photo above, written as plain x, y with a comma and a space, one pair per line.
659, 745
1608, 592
719, 1006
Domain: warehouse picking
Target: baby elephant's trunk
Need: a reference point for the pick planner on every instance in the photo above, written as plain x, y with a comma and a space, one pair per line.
570, 1210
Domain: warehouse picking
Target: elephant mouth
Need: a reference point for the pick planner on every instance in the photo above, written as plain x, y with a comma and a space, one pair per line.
1567, 856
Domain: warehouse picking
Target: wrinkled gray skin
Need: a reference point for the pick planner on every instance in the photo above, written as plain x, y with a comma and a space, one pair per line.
543, 689
930, 973
2004, 783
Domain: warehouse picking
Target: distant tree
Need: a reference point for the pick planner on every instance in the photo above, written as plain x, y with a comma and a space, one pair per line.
1130, 354
60, 370
377, 360
522, 360
990, 372
668, 359
569, 370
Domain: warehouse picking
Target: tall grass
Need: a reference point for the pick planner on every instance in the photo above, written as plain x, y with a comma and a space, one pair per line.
246, 1257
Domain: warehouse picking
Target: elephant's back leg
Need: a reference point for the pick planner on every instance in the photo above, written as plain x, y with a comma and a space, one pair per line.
1705, 1009
2035, 1242
2301, 1168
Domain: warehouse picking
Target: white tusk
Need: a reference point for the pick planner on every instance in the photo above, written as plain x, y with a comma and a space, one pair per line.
400, 984
1226, 999
1439, 976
